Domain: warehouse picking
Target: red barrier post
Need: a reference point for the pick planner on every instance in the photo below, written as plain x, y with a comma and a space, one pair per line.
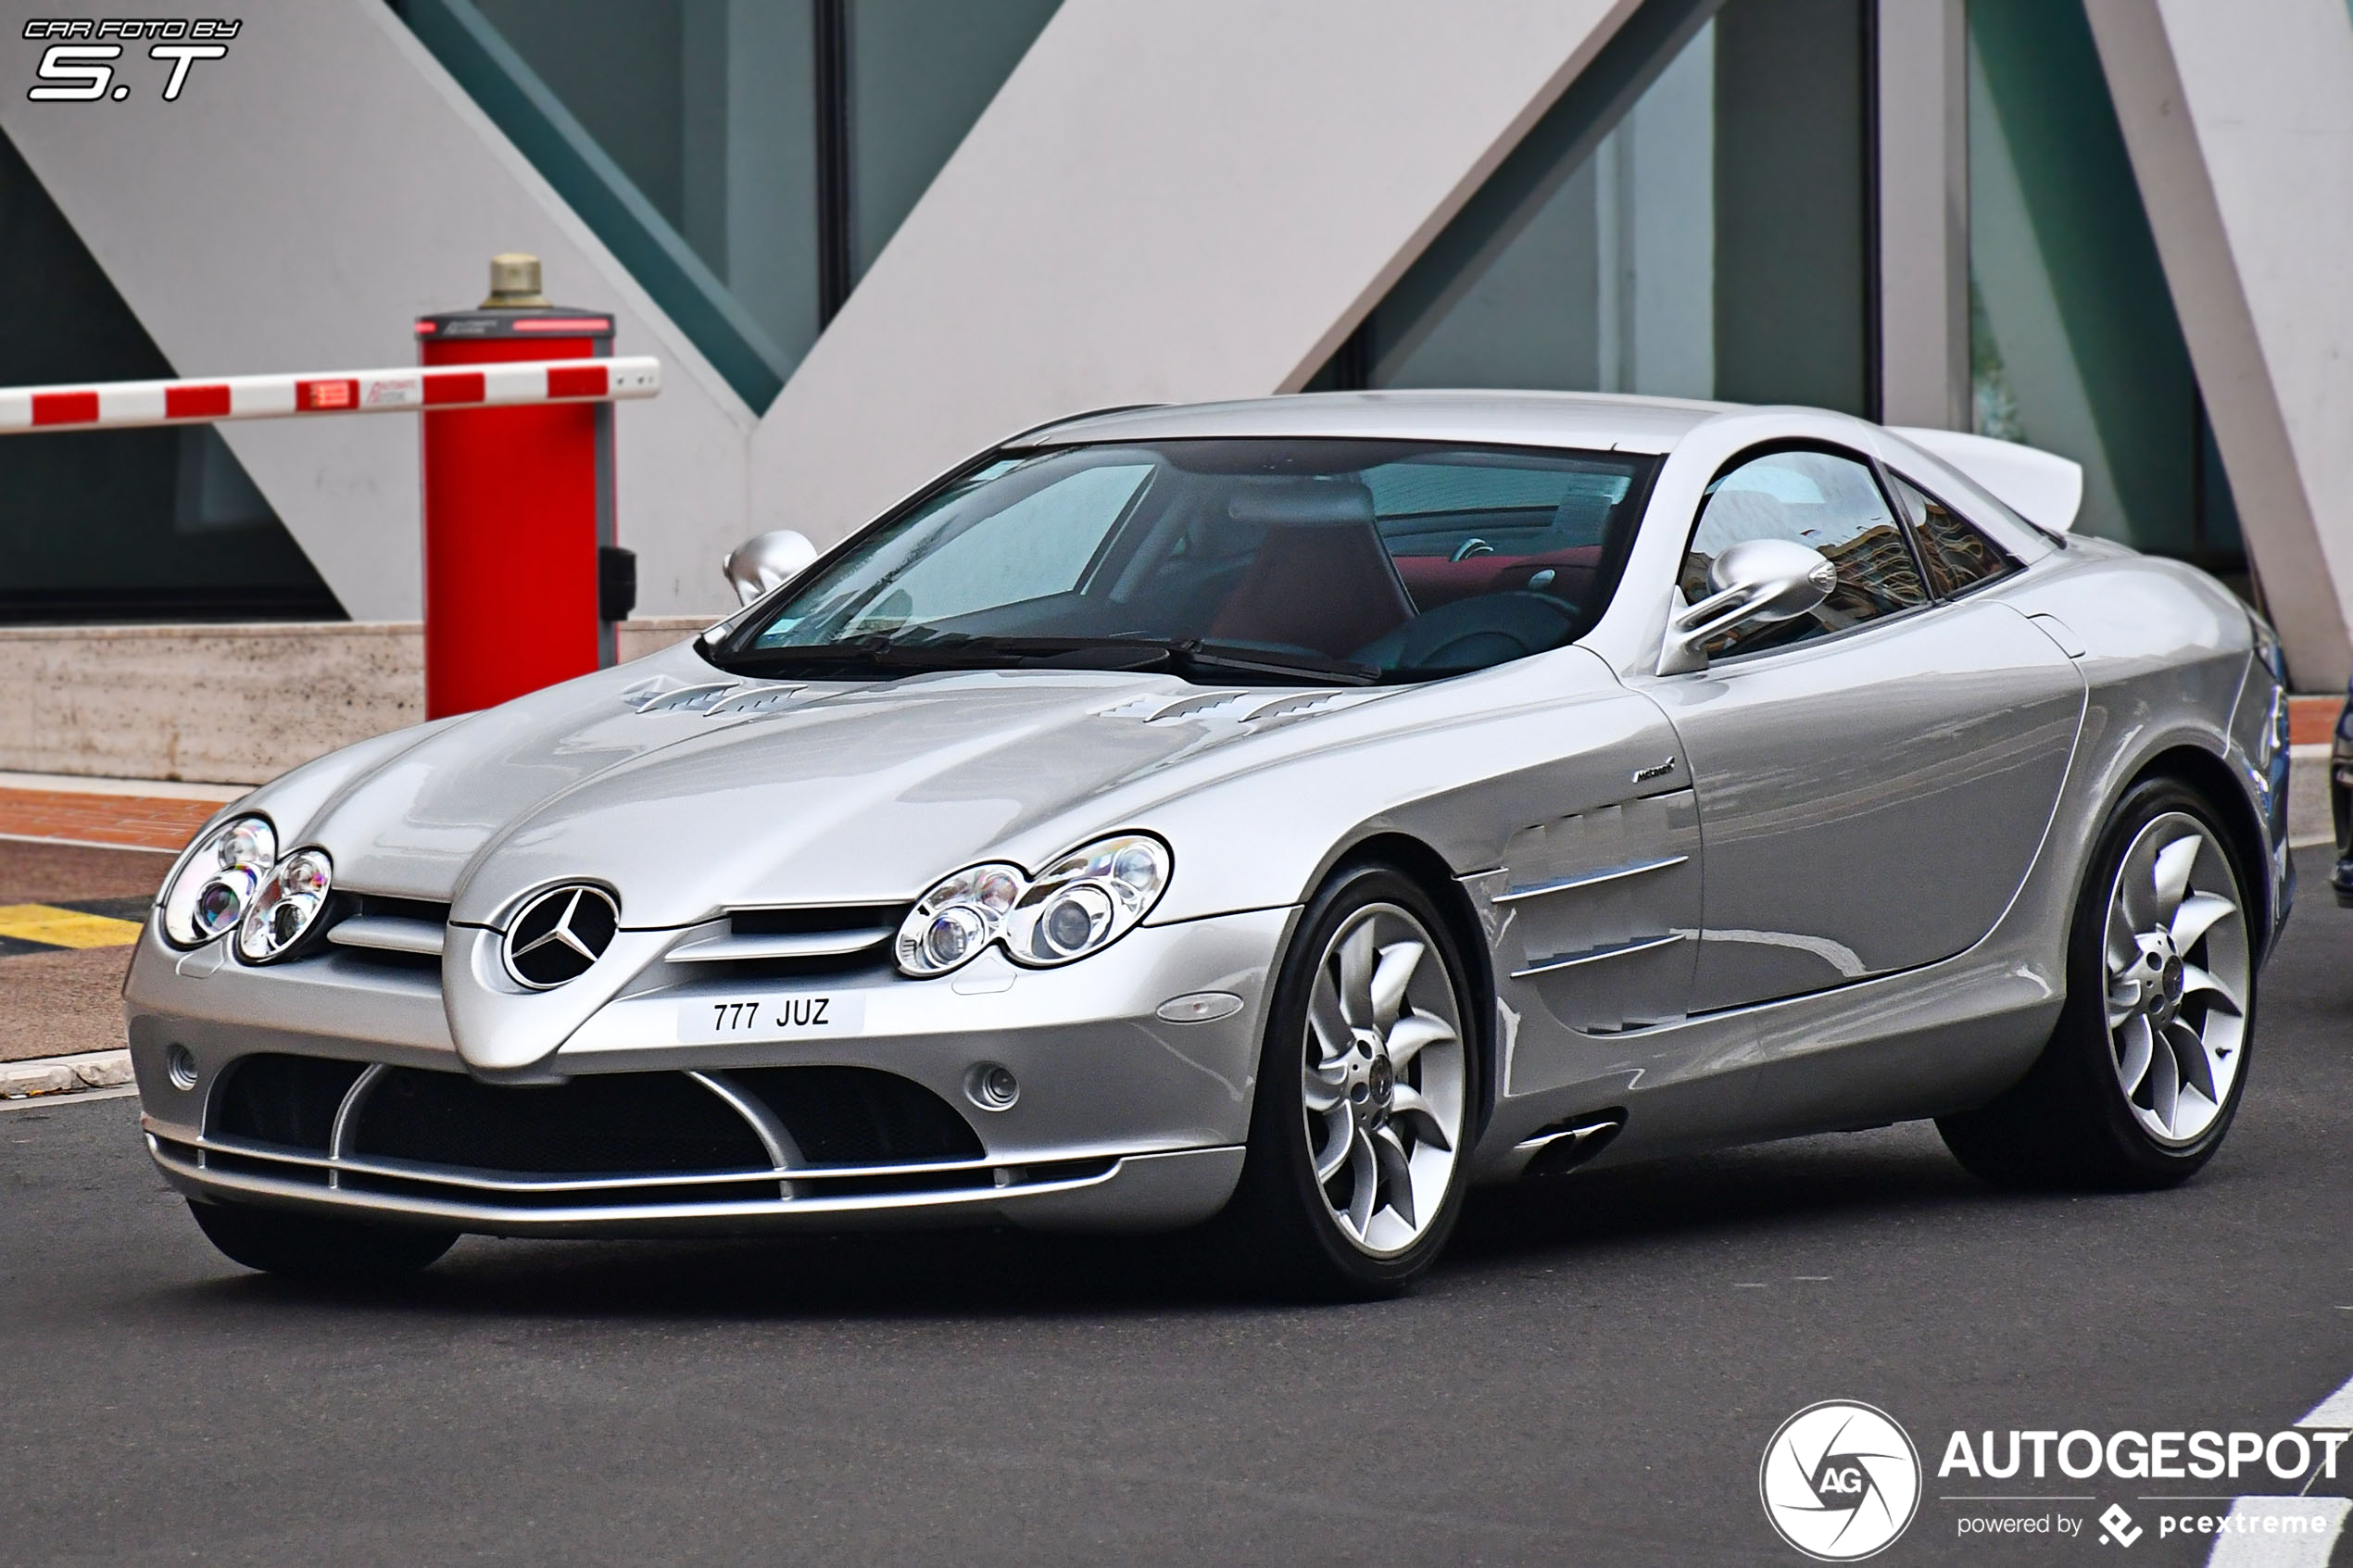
522, 583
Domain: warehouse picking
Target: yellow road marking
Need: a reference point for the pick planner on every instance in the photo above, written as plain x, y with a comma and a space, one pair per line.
65, 928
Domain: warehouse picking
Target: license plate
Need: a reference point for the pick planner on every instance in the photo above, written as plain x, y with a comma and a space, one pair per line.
809, 1016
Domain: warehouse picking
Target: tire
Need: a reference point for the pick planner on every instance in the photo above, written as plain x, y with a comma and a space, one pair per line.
2147, 1067
1349, 994
317, 1246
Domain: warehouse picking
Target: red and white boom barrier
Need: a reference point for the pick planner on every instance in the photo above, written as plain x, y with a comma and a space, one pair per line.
524, 583
128, 404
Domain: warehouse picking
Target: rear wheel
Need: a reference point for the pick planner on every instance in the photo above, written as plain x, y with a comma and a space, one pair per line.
319, 1246
2145, 1072
1367, 1093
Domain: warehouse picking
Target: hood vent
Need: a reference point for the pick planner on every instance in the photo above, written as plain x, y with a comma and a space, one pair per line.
712, 699
1254, 706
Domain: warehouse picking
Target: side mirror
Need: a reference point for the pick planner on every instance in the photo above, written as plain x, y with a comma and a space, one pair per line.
1755, 580
766, 561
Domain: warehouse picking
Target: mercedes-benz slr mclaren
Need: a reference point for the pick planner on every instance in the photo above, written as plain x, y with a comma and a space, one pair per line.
1277, 816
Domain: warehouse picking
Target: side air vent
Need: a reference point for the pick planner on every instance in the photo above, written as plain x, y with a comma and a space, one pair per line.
1567, 1144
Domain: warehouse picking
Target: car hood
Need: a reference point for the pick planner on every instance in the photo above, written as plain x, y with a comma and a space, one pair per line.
686, 791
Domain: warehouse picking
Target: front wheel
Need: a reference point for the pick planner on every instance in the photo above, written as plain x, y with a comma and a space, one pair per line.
1369, 1090
2146, 1068
319, 1246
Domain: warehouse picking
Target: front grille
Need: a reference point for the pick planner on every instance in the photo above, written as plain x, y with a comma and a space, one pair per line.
810, 922
829, 941
640, 1141
378, 932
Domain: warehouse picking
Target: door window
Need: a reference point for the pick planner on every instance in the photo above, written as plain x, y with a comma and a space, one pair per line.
1827, 503
1958, 556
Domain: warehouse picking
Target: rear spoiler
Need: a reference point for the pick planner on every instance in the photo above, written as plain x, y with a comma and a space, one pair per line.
2042, 487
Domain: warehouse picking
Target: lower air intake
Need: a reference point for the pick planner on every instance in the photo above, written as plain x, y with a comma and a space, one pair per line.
623, 1124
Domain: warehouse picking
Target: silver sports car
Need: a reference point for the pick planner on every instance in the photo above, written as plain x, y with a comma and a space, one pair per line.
1278, 814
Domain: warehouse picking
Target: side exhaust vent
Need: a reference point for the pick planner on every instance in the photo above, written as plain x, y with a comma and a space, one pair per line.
1569, 1143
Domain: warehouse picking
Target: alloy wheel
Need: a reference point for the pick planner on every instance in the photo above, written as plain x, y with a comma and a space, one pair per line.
1382, 1079
2179, 971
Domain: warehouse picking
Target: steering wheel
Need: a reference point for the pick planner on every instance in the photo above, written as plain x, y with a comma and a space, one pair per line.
1475, 633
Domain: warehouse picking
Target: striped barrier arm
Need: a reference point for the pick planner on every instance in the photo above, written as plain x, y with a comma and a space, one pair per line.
125, 404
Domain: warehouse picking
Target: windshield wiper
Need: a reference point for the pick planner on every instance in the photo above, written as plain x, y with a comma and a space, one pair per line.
927, 650
1193, 653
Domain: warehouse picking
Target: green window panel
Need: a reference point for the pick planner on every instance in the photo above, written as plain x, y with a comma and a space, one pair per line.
1691, 219
746, 159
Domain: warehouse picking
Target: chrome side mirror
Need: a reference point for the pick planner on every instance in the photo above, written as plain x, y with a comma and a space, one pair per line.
766, 561
1755, 580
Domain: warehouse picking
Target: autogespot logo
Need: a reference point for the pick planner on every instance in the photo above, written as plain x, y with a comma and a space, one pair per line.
1841, 1481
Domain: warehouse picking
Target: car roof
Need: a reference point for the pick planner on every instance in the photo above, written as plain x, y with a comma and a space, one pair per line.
1593, 421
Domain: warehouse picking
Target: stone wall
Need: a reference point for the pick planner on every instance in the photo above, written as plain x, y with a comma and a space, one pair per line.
219, 704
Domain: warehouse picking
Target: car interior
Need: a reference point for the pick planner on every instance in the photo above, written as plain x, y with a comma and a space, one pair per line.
1413, 559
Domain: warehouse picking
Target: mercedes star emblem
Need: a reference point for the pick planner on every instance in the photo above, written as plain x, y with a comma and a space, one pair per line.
559, 934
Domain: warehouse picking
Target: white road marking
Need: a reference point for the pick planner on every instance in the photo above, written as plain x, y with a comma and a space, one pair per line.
2334, 1412
2237, 1550
2274, 1549
81, 1096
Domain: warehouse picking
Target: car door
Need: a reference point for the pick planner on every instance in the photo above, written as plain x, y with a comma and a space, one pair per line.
1873, 778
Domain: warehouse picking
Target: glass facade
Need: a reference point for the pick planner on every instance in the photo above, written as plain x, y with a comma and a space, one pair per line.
127, 525
1696, 218
2074, 345
747, 159
1692, 219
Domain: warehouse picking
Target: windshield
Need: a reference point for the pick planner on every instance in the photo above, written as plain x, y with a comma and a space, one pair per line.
1261, 560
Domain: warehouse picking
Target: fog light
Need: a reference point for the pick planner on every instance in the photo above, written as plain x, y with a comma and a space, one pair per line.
991, 1086
181, 1067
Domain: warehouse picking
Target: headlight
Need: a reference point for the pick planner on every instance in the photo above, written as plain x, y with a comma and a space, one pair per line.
216, 883
286, 908
1081, 904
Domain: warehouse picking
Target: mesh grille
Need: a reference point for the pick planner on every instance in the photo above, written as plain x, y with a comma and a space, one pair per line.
627, 1123
860, 1116
287, 1101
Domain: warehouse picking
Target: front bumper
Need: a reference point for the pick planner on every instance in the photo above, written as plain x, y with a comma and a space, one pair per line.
1123, 1121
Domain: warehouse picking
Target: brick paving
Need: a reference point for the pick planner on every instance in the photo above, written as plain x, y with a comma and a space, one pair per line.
2312, 720
129, 822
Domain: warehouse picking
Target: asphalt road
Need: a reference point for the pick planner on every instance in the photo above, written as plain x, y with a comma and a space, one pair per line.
1591, 1376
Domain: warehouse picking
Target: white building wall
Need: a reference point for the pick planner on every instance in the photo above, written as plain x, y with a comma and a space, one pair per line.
2240, 125
1163, 203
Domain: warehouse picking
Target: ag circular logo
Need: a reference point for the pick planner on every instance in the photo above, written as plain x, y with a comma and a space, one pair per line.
559, 934
1841, 1481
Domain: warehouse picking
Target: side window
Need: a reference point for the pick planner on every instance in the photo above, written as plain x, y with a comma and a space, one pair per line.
1826, 503
1956, 554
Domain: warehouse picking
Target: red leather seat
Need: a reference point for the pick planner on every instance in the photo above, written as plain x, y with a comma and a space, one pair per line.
1323, 579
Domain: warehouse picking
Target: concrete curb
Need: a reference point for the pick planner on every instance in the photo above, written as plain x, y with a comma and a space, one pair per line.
64, 1074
